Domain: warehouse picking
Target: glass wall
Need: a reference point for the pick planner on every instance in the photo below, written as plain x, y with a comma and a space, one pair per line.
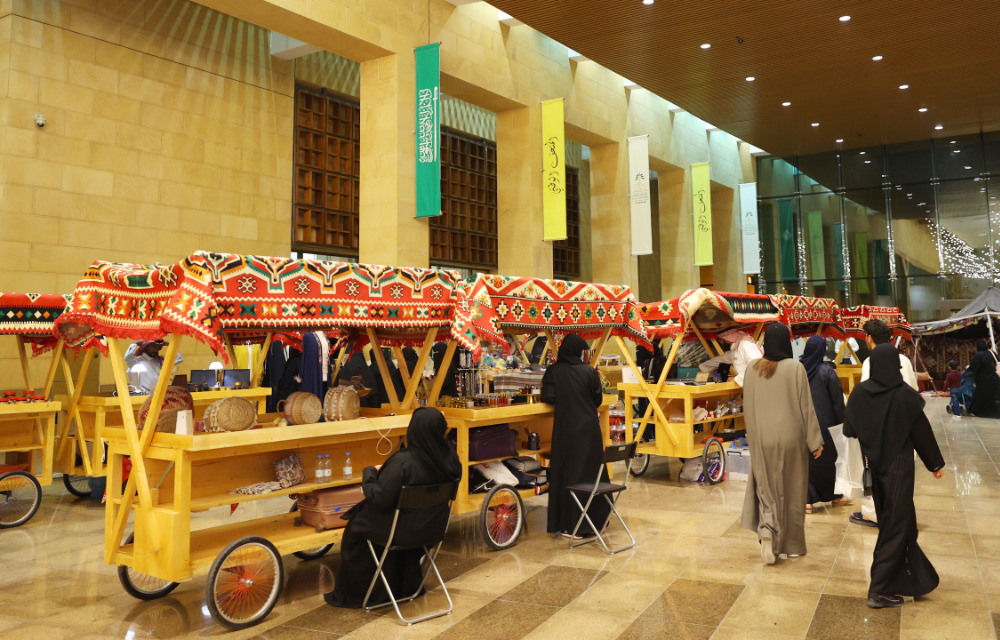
913, 225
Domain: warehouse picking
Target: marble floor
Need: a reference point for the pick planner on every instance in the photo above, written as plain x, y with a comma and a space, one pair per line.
694, 574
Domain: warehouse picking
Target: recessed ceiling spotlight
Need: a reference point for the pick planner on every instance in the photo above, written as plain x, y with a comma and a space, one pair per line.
706, 46
786, 103
839, 140
939, 126
861, 153
953, 142
904, 86
750, 78
957, 151
647, 2
922, 109
868, 161
815, 124
967, 167
845, 18
876, 58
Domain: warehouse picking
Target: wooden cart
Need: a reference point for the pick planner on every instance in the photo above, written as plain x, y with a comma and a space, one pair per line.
852, 319
698, 314
526, 307
27, 428
209, 296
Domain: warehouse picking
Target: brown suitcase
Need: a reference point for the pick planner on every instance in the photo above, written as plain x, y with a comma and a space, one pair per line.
322, 509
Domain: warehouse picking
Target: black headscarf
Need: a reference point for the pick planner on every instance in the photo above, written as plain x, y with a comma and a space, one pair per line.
410, 356
777, 342
882, 410
425, 438
571, 349
812, 357
982, 346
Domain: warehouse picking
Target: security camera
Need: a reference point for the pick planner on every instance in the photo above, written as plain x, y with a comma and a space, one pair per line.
39, 120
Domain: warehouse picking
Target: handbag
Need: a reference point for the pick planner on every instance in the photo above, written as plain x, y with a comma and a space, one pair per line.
866, 478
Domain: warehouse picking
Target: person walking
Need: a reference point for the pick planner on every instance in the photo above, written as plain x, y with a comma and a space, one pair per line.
782, 430
986, 400
887, 417
828, 400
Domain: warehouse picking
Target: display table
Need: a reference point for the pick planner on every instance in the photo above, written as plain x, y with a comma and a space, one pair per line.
29, 427
849, 376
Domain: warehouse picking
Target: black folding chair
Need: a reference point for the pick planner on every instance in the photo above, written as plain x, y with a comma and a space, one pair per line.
415, 498
609, 491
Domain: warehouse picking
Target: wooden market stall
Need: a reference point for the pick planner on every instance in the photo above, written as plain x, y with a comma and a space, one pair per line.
853, 319
528, 306
208, 296
28, 416
696, 315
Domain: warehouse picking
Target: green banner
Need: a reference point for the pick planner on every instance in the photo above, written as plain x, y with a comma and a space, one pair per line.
817, 253
428, 130
880, 258
859, 258
786, 237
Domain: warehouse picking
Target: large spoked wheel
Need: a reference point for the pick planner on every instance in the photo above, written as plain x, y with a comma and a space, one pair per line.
502, 517
141, 585
244, 583
639, 464
315, 552
79, 486
20, 497
714, 461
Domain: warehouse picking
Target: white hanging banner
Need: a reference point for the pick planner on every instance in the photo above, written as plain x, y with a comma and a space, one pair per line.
639, 196
751, 234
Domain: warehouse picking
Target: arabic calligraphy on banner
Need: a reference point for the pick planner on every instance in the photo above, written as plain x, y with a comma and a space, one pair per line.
428, 130
638, 167
553, 171
701, 209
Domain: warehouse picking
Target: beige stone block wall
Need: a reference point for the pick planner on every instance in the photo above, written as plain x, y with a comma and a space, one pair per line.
168, 131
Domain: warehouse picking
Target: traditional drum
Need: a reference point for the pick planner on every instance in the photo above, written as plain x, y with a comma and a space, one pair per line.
177, 399
341, 403
230, 414
302, 407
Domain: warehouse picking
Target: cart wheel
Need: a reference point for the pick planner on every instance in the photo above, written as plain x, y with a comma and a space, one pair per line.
142, 585
502, 517
77, 485
714, 461
244, 582
315, 552
20, 496
639, 464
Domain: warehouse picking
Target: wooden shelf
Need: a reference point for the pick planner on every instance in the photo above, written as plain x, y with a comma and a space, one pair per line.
28, 409
208, 502
520, 452
199, 397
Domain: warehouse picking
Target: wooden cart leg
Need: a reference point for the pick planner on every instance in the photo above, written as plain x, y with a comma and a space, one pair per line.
442, 373
383, 368
410, 397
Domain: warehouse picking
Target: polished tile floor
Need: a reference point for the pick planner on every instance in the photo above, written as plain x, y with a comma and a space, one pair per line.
694, 573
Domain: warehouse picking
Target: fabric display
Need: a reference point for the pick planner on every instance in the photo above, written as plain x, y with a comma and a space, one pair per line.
230, 414
302, 407
937, 351
289, 471
177, 399
32, 316
713, 312
341, 403
315, 369
258, 488
584, 308
853, 319
804, 314
514, 381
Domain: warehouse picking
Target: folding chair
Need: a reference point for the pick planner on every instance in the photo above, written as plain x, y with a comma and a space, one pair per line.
415, 498
609, 491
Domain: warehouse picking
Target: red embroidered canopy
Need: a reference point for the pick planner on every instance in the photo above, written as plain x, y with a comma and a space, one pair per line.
32, 316
712, 311
208, 294
804, 315
852, 319
533, 304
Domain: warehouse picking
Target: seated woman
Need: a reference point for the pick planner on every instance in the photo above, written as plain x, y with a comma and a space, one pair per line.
427, 459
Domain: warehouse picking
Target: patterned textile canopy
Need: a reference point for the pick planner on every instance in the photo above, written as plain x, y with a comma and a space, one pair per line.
712, 311
32, 316
986, 304
535, 304
852, 319
804, 315
209, 294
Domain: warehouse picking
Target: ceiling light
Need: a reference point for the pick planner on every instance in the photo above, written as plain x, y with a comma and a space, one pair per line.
876, 58
953, 142
706, 46
786, 104
750, 78
647, 2
815, 124
868, 161
922, 109
904, 86
939, 126
909, 195
967, 168
839, 140
861, 153
957, 151
845, 18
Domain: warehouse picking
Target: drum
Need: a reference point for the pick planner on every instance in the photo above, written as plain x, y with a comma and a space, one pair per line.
230, 414
176, 399
301, 407
341, 403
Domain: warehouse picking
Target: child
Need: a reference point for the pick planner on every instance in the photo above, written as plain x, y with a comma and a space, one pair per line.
953, 383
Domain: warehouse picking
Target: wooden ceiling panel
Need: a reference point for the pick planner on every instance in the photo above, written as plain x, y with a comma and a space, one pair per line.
801, 52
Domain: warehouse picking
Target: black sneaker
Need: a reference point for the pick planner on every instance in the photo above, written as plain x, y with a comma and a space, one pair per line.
876, 601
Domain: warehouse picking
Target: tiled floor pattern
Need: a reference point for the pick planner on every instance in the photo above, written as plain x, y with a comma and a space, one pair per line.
694, 574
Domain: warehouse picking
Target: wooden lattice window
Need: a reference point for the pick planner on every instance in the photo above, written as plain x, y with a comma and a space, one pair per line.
327, 169
566, 253
465, 234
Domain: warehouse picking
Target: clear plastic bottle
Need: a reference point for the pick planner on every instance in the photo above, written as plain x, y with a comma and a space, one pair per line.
348, 467
328, 467
319, 474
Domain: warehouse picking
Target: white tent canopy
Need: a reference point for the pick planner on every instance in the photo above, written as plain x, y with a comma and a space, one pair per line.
986, 305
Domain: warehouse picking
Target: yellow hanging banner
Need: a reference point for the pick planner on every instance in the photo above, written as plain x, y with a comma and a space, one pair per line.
701, 209
553, 171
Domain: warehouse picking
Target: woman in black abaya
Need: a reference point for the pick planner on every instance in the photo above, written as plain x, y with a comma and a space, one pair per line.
427, 459
887, 416
574, 388
986, 400
828, 401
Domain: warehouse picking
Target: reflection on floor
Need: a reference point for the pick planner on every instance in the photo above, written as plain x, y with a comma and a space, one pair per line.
694, 573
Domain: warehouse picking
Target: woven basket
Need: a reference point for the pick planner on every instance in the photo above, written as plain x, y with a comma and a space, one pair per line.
230, 414
302, 407
341, 403
177, 399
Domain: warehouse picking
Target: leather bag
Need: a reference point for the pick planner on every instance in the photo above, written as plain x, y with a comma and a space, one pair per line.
323, 509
